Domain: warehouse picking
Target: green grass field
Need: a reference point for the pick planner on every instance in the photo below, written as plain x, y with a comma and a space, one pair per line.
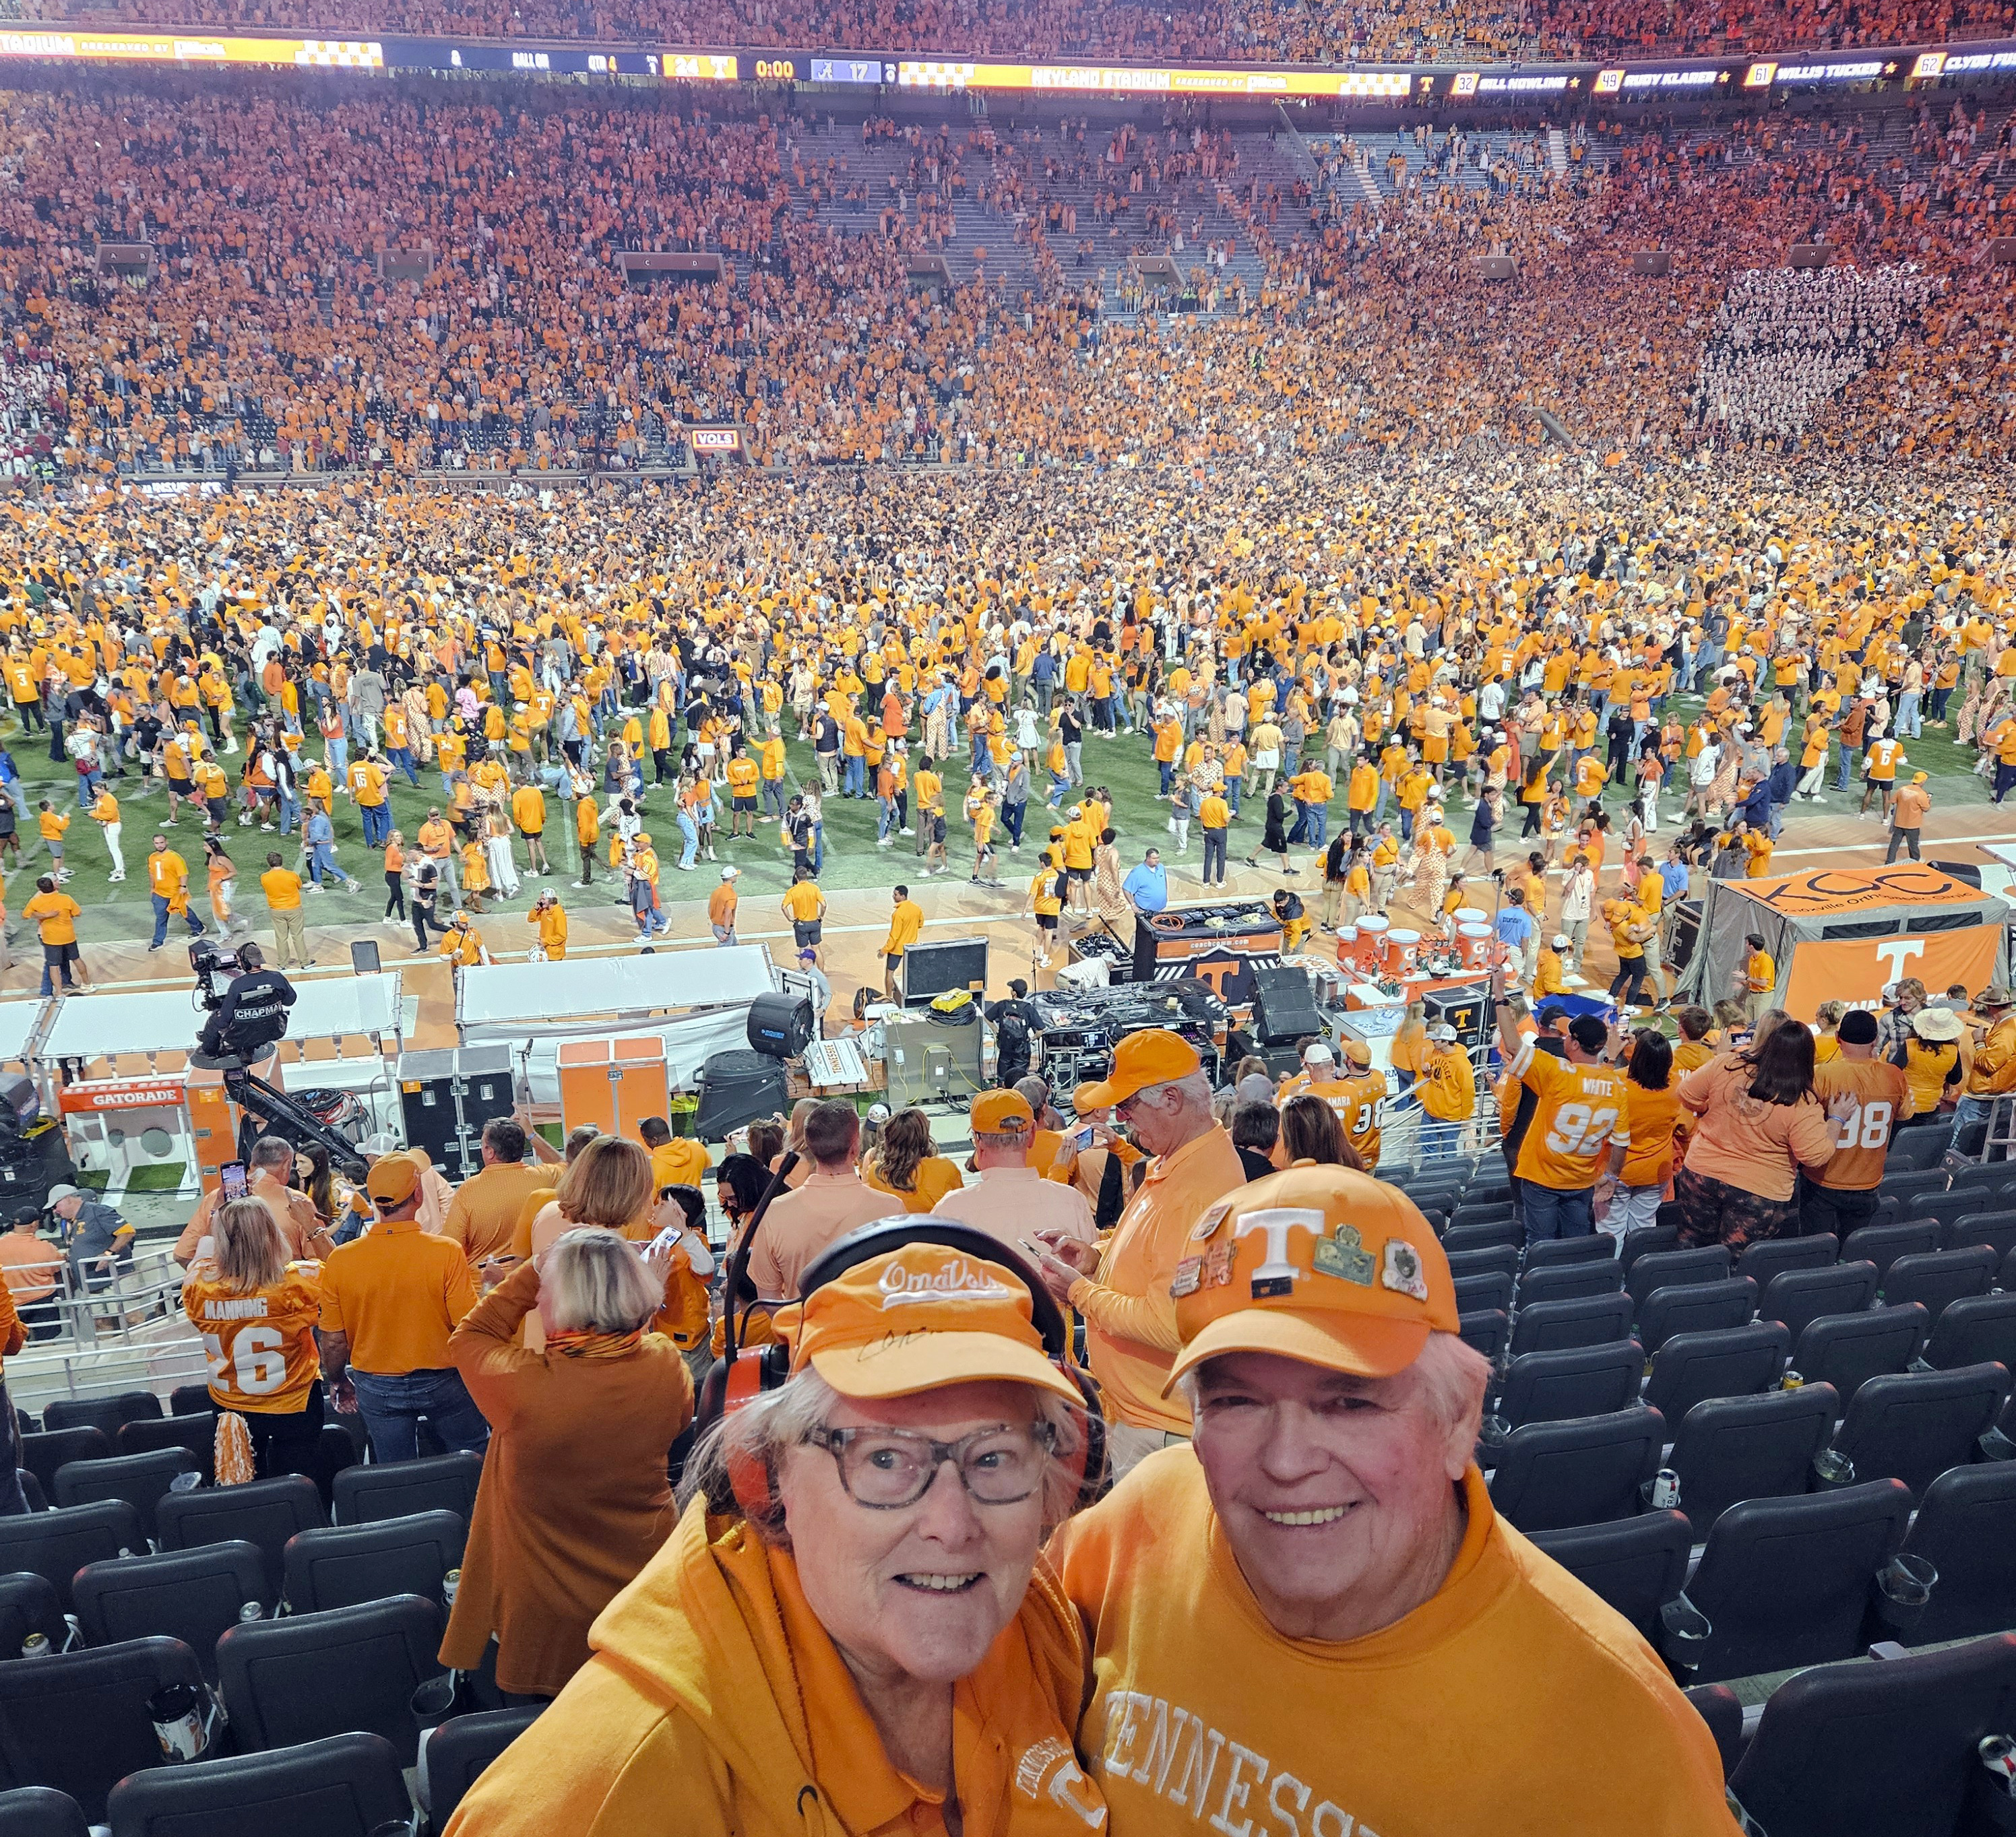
123, 911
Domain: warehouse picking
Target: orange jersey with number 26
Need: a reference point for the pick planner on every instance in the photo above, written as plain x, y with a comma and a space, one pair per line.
261, 1346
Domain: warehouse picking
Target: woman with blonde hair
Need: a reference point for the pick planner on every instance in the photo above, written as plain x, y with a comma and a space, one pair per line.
903, 1166
257, 1314
574, 1498
610, 1184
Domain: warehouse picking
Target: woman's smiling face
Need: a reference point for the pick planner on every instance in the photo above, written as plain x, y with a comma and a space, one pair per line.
921, 1591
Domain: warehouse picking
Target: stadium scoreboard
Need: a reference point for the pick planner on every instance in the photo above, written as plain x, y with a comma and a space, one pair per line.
1755, 76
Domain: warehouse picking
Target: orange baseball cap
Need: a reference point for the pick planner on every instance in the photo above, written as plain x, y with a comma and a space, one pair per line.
392, 1180
918, 1318
1151, 1057
1321, 1265
1001, 1113
1357, 1053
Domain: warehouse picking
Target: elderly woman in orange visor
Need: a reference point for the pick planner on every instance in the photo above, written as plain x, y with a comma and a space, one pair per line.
1311, 1611
849, 1631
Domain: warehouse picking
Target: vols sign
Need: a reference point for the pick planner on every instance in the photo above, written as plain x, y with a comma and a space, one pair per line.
1856, 970
719, 443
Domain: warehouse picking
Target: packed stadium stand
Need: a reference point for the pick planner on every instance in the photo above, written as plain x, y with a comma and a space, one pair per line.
1258, 31
1707, 368
272, 334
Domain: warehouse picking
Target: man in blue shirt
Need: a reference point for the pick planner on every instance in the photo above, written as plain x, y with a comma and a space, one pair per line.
1043, 675
1517, 931
320, 835
1674, 877
1147, 886
1147, 891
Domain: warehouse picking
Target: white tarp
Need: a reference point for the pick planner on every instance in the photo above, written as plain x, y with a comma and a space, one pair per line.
169, 1020
690, 1040
499, 1001
18, 1021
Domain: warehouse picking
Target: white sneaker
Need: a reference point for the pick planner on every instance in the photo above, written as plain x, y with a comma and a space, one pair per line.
113, 878
909, 831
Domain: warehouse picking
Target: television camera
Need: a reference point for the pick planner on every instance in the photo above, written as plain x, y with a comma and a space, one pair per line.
247, 1006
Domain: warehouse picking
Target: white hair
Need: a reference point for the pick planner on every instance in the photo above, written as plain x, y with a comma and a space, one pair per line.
1193, 1087
598, 1283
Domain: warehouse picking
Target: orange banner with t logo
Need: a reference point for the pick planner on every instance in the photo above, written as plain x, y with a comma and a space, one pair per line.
1856, 970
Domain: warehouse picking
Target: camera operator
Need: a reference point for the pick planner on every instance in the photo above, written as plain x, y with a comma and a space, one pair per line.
252, 1013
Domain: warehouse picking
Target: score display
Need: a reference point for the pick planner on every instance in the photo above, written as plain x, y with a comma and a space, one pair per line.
850, 70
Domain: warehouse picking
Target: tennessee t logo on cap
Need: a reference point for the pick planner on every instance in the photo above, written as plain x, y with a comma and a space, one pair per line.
1321, 1265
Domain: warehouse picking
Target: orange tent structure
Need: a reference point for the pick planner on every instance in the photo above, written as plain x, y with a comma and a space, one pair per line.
1842, 934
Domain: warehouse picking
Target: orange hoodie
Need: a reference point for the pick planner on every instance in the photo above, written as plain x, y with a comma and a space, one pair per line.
715, 1704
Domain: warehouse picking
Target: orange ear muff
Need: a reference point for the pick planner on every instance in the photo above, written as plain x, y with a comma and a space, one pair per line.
754, 1487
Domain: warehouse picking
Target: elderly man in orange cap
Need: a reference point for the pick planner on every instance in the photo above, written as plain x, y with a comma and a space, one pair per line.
1312, 1618
1158, 1088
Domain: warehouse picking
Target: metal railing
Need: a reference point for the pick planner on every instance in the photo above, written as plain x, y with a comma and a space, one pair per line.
1404, 1125
129, 1334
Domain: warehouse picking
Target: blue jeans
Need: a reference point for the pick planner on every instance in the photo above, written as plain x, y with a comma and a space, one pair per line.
1550, 1213
392, 1403
819, 846
1231, 788
402, 757
377, 820
689, 839
161, 922
1908, 727
321, 860
290, 811
851, 786
1438, 1139
1969, 1110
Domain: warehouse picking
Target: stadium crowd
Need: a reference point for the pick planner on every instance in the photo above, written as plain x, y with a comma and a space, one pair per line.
1314, 569
1262, 32
269, 337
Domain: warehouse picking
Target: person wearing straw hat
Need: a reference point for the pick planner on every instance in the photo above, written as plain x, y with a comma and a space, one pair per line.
1315, 1607
847, 1630
1158, 1089
1991, 1071
1930, 1055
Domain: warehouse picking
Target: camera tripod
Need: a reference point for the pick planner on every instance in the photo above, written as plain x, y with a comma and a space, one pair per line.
269, 1111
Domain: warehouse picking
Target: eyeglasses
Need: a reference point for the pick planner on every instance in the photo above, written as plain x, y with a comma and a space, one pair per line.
887, 1469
